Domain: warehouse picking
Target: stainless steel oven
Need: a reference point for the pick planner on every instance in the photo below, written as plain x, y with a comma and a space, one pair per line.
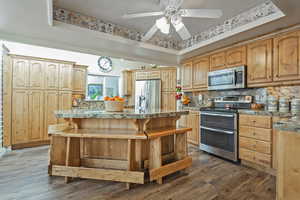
232, 78
219, 134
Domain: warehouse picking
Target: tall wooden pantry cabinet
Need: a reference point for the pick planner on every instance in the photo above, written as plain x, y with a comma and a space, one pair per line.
37, 88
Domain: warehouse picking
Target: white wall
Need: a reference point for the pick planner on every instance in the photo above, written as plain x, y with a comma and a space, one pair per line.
80, 58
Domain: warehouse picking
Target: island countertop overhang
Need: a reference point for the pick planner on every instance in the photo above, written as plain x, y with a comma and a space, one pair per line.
129, 114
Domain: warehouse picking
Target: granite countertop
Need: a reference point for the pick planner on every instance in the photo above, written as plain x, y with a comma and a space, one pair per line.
290, 125
126, 114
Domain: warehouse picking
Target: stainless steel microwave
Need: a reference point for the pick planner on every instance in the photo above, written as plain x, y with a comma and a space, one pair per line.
232, 78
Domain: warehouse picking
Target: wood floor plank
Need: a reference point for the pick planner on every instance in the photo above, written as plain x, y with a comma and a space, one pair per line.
23, 176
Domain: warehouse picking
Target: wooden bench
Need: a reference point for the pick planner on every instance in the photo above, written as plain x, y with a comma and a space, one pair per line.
113, 169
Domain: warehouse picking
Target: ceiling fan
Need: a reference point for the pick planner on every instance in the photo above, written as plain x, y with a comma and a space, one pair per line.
173, 14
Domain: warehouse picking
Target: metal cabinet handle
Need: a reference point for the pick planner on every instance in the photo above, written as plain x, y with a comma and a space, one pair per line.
217, 130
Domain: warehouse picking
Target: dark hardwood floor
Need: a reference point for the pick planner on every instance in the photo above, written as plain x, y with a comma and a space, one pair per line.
23, 175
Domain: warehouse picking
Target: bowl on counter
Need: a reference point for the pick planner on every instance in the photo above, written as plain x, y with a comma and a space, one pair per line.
114, 106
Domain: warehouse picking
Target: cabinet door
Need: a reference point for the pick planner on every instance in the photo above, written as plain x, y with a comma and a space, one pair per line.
187, 70
79, 79
36, 115
65, 77
260, 62
20, 73
51, 105
218, 61
193, 136
20, 116
168, 101
127, 83
287, 57
165, 81
200, 70
65, 102
7, 98
236, 56
52, 75
36, 74
173, 80
141, 75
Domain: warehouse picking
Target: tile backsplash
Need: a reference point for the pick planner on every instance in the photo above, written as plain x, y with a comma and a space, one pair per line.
259, 94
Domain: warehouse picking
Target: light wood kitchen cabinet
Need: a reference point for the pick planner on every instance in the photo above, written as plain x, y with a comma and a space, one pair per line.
7, 94
193, 121
36, 74
260, 62
236, 56
127, 82
20, 73
65, 76
186, 76
255, 139
218, 61
79, 79
51, 105
287, 57
168, 101
168, 80
20, 116
52, 75
288, 173
145, 75
36, 115
200, 70
65, 102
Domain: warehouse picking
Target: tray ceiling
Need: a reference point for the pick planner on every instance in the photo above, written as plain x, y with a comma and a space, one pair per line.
94, 14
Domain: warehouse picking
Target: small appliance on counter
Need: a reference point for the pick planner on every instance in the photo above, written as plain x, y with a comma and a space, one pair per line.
219, 126
232, 78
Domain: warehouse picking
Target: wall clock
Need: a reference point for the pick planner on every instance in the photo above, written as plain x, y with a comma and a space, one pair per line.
105, 64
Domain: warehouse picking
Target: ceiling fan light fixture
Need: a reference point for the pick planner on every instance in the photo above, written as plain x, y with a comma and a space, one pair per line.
178, 26
163, 25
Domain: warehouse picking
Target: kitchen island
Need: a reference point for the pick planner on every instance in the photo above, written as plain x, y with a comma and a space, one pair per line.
129, 146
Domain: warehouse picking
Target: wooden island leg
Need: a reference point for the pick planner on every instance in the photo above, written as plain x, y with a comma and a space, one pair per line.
131, 159
155, 157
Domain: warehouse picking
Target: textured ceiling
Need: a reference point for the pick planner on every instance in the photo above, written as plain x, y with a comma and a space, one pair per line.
112, 11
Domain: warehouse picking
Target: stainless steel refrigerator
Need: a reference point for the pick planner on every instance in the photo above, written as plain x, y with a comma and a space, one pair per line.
148, 95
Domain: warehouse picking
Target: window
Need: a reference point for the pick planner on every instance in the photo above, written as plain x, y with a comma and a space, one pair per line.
99, 86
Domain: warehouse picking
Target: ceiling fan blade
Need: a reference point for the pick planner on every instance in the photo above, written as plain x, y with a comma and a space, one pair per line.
202, 13
150, 33
184, 33
146, 14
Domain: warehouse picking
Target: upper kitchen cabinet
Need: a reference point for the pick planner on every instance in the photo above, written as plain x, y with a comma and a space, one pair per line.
144, 75
36, 74
218, 61
200, 70
20, 73
259, 62
65, 76
79, 79
287, 57
52, 75
186, 76
236, 56
168, 80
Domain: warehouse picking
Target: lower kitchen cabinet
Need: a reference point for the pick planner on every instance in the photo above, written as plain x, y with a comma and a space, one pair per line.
27, 116
192, 120
65, 102
51, 104
255, 139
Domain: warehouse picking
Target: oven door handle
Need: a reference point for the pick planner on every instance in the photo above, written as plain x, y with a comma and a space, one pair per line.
217, 130
215, 114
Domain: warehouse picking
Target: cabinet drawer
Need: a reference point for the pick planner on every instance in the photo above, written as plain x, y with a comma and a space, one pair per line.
263, 159
256, 121
255, 145
256, 133
255, 157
